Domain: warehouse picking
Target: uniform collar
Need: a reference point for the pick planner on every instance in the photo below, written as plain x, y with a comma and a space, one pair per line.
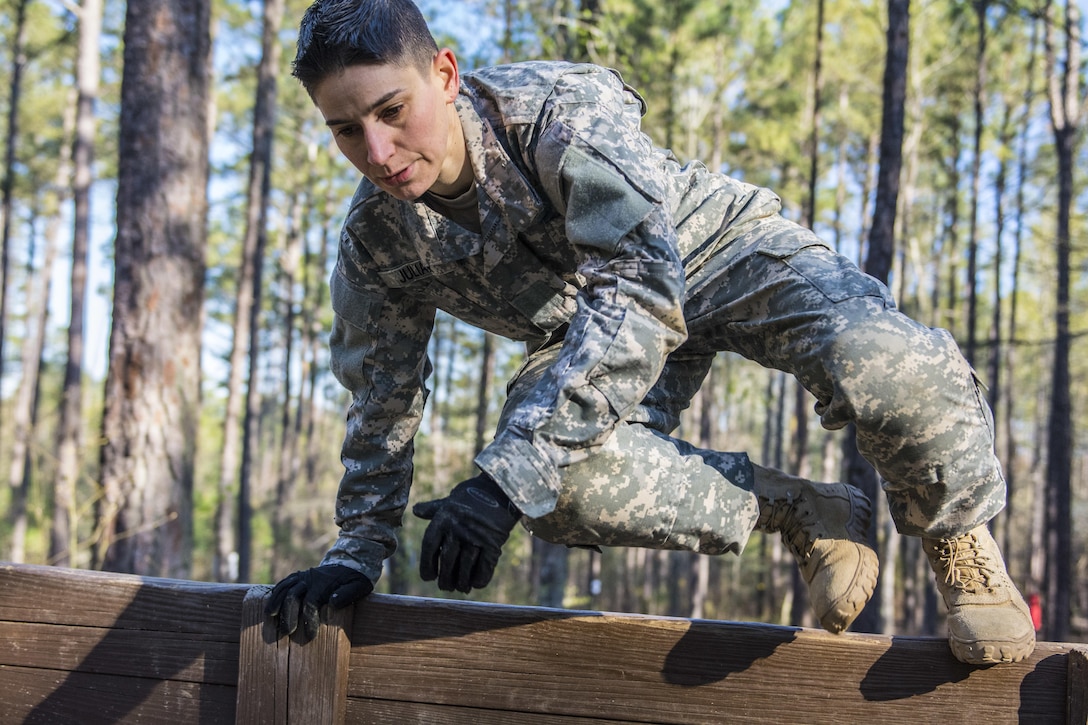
508, 203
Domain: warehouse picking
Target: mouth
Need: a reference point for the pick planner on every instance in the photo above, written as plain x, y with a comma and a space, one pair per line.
399, 177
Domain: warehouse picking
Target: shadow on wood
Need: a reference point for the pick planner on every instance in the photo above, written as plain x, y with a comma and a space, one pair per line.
458, 662
88, 647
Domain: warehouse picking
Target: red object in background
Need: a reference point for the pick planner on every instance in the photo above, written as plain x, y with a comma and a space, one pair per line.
1035, 606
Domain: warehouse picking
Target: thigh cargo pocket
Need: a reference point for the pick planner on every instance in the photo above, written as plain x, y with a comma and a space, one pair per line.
831, 273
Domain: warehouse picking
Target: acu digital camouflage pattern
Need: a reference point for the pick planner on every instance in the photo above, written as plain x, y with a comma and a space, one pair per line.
625, 272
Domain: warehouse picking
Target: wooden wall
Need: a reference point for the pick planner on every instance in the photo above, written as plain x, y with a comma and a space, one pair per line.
88, 647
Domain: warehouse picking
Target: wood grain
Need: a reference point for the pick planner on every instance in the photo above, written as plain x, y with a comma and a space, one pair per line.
284, 682
88, 647
607, 667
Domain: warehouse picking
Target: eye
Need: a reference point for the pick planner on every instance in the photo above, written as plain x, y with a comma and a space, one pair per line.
346, 131
391, 113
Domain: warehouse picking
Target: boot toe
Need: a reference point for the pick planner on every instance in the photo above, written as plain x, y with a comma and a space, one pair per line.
843, 582
990, 634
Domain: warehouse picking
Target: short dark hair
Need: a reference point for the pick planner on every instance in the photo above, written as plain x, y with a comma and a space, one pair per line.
335, 34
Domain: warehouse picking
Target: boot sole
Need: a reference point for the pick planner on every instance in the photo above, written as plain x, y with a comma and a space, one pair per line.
992, 653
846, 609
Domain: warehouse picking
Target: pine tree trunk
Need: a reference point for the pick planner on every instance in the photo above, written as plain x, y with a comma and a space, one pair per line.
882, 235
314, 344
249, 300
150, 423
882, 245
483, 390
290, 425
628, 594
1065, 112
871, 160
63, 541
952, 233
976, 183
912, 260
24, 410
776, 576
550, 566
799, 465
1012, 480
7, 184
996, 347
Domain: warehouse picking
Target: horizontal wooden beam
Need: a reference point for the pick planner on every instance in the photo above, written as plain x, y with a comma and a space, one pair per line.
84, 646
466, 662
121, 648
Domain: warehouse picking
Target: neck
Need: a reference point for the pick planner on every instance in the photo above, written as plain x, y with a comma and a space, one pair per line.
457, 174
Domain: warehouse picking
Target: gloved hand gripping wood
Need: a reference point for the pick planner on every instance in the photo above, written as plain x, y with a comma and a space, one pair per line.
299, 597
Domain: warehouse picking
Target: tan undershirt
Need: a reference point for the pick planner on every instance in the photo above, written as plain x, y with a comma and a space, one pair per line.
462, 209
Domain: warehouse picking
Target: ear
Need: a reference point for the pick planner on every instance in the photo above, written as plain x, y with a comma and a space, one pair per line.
444, 67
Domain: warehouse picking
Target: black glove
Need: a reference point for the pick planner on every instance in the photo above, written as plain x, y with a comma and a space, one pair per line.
302, 595
464, 540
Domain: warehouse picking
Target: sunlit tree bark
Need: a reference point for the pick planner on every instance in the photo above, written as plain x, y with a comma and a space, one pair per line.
149, 428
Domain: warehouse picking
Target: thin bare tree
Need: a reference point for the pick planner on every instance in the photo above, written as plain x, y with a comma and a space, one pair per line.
237, 464
1065, 87
7, 183
1012, 477
62, 543
799, 464
881, 247
981, 7
24, 411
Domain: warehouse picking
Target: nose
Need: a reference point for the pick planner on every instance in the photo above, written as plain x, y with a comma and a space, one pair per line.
379, 145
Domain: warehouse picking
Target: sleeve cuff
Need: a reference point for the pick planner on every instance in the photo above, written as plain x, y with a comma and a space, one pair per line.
363, 556
522, 472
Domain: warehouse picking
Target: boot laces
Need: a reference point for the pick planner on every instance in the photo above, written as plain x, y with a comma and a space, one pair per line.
966, 565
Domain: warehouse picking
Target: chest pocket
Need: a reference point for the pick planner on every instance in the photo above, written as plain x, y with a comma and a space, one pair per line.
546, 280
498, 279
436, 254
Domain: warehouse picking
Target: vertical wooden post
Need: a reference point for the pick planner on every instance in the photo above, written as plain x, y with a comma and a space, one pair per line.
283, 682
1077, 687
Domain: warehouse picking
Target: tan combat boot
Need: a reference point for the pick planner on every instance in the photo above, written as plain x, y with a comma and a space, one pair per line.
988, 620
824, 526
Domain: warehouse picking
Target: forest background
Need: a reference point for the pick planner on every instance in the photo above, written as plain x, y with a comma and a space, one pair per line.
167, 184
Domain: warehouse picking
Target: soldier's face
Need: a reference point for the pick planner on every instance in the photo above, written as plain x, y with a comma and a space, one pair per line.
397, 125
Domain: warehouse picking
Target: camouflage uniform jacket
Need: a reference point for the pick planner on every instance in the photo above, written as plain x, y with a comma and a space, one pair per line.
587, 234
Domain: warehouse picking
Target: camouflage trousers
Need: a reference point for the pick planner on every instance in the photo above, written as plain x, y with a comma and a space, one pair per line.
780, 297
